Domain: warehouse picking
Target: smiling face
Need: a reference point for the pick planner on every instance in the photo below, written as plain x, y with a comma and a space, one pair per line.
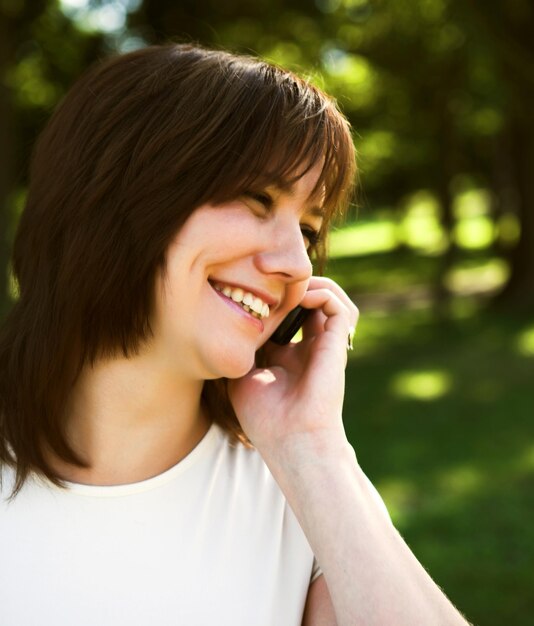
248, 253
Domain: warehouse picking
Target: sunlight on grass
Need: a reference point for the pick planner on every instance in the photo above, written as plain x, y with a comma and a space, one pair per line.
376, 328
400, 497
525, 462
417, 225
363, 238
525, 342
461, 480
422, 385
482, 277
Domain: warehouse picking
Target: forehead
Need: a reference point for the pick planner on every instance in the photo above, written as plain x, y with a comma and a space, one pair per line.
308, 188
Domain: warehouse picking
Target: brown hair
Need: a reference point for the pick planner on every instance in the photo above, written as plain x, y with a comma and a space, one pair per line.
137, 144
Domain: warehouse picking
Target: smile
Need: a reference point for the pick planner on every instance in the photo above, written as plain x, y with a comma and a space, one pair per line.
248, 301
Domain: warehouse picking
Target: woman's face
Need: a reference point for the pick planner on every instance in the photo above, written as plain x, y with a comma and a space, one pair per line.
256, 245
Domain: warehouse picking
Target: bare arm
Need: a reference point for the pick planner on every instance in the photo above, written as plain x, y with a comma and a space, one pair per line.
319, 610
372, 576
292, 412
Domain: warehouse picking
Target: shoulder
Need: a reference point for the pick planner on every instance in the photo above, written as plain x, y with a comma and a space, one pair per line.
243, 480
7, 482
244, 466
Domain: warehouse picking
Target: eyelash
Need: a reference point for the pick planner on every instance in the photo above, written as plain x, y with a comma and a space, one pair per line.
262, 198
313, 236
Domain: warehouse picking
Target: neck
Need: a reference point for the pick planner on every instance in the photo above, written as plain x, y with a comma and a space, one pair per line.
131, 419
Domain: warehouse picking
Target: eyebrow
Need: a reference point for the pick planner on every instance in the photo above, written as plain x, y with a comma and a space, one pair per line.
288, 189
317, 211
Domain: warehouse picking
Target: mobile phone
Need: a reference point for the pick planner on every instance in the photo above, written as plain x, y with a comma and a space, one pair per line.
290, 325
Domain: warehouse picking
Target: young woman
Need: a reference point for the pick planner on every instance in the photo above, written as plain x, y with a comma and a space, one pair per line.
163, 461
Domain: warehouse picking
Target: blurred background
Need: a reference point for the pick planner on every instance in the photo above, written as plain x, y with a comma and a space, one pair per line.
438, 251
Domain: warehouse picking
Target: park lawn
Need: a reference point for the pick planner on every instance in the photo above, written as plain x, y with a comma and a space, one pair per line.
440, 415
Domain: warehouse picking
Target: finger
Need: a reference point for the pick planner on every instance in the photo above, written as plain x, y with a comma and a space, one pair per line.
314, 323
338, 319
321, 282
289, 356
324, 284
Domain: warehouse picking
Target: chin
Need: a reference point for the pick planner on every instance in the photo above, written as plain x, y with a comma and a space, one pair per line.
232, 364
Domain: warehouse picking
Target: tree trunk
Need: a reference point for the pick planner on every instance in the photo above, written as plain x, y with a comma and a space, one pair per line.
446, 142
510, 33
519, 291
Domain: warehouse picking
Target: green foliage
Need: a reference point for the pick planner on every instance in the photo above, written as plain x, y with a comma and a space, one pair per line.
439, 94
440, 417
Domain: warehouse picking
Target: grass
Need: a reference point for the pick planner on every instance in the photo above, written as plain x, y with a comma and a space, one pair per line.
455, 463
440, 415
440, 411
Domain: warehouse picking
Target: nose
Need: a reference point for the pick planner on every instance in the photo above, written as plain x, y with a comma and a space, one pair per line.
285, 255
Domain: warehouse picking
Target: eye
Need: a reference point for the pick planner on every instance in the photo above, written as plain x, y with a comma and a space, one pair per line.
312, 236
260, 198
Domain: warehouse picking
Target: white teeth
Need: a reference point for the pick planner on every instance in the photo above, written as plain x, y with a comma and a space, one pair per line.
257, 305
250, 303
237, 295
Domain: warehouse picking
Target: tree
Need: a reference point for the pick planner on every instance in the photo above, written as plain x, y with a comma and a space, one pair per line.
41, 54
509, 27
434, 90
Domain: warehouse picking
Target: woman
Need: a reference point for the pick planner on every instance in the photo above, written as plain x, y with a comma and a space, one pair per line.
163, 462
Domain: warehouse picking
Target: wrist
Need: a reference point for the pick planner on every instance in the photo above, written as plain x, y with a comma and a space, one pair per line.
302, 454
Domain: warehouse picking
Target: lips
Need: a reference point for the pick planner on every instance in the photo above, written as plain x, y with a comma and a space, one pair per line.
249, 301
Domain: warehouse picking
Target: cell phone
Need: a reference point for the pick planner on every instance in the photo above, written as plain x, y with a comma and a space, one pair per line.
290, 325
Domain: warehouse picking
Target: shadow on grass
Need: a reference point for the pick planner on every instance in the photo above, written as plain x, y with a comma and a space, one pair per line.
455, 465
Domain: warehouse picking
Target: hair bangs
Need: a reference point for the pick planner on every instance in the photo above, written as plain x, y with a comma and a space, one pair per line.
135, 147
281, 142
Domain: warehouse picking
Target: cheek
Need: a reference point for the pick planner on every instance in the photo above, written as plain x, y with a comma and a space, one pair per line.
294, 295
296, 292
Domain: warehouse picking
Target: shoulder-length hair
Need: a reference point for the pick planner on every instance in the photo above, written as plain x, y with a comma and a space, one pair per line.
138, 143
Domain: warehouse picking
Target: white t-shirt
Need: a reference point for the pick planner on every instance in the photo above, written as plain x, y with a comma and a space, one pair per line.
210, 541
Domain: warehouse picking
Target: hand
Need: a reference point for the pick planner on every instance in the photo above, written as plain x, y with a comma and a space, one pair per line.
299, 394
